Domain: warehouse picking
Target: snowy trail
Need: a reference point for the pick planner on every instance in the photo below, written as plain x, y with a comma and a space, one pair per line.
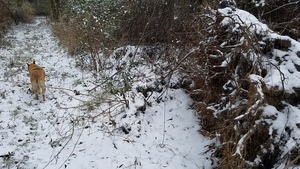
51, 134
23, 119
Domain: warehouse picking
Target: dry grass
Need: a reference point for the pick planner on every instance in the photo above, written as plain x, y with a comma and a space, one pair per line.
69, 36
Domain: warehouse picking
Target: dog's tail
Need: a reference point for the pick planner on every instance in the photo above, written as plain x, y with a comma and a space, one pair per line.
42, 85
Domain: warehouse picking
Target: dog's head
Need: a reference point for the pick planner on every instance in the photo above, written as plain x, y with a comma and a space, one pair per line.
30, 65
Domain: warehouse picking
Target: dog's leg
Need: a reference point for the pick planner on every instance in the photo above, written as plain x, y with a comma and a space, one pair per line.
43, 86
35, 88
39, 89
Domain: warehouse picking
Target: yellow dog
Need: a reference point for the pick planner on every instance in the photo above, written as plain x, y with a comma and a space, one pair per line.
37, 79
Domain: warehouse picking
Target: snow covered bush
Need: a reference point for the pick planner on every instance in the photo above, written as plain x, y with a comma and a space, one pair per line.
281, 15
241, 77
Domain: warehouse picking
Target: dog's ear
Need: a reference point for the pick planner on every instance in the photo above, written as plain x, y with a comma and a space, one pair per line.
34, 62
28, 64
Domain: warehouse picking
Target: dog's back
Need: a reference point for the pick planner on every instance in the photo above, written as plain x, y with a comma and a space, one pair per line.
37, 79
36, 73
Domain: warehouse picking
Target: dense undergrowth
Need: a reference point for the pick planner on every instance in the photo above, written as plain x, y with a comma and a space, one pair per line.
221, 66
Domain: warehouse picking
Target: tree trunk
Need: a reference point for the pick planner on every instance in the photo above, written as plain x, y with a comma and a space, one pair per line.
55, 9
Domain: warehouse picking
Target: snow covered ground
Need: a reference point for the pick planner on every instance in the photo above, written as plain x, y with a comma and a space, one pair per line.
63, 132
